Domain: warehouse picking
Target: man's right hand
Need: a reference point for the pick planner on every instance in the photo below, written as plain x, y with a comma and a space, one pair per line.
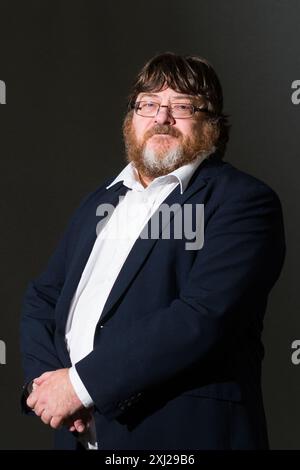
80, 421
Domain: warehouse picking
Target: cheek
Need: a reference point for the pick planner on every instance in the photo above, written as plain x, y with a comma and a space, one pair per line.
187, 129
138, 129
194, 130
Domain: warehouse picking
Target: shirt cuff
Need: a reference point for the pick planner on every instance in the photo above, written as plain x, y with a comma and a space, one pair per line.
79, 388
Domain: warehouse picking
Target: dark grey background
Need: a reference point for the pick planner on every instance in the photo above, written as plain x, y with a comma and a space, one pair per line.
68, 66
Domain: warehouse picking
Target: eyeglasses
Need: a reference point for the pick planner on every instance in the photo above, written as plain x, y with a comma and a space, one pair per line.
178, 110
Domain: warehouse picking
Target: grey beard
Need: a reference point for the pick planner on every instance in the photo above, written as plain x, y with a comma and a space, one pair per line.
168, 162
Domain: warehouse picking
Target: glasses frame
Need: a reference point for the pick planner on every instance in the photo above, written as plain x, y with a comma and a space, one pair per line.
195, 109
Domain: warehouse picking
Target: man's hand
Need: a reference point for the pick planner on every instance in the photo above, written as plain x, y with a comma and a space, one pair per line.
80, 422
54, 400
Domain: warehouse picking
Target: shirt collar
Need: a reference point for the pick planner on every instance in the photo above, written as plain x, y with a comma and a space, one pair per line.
183, 174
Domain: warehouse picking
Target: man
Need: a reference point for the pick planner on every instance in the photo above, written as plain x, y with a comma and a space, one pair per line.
133, 341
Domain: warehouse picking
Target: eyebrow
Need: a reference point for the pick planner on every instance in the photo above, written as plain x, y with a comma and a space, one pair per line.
176, 97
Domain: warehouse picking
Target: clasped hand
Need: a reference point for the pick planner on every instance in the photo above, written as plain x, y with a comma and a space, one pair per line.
54, 400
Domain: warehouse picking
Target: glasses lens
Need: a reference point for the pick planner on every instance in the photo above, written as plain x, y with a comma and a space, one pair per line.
147, 108
150, 109
182, 110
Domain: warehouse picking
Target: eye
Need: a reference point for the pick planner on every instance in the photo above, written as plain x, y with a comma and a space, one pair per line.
181, 107
148, 105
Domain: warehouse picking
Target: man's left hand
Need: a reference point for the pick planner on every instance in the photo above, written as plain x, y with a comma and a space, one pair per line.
54, 400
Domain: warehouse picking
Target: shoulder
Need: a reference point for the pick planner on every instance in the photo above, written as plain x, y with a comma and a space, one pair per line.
232, 183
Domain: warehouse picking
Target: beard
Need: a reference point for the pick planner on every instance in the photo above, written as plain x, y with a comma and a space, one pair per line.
166, 155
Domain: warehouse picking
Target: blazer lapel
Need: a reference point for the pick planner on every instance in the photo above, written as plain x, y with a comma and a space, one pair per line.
84, 247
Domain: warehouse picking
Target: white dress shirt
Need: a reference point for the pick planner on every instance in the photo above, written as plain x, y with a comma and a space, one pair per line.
106, 260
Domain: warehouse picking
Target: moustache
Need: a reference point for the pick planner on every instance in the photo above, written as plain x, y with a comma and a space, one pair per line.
162, 129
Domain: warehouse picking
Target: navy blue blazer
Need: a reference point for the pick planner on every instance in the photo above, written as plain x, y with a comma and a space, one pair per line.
177, 351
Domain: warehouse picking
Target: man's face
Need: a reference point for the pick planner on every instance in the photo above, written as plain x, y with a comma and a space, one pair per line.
160, 144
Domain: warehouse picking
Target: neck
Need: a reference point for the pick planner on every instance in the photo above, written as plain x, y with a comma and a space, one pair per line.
145, 180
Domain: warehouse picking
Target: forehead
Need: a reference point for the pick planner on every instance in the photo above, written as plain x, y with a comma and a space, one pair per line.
167, 93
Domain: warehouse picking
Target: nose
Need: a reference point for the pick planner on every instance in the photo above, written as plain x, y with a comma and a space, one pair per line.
164, 116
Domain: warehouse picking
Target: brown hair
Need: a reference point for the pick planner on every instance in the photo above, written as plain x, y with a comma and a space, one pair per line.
185, 74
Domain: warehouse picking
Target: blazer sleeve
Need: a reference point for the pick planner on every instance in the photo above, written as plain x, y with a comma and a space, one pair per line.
240, 261
37, 317
37, 326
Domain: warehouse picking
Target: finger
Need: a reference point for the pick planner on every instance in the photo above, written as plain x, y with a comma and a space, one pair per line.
75, 425
39, 380
31, 400
56, 422
79, 425
45, 417
38, 410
